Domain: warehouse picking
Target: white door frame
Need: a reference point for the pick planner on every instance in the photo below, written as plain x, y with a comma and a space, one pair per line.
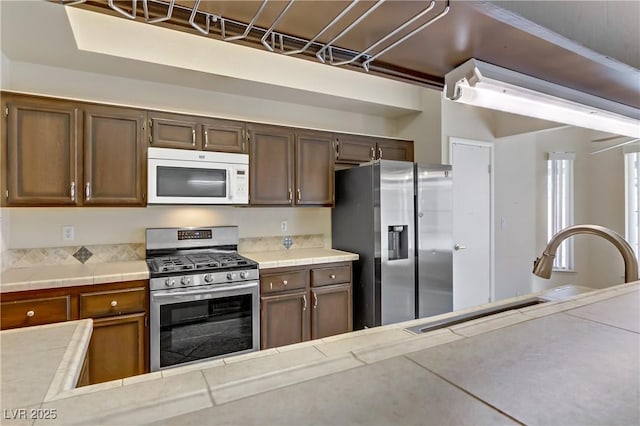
489, 145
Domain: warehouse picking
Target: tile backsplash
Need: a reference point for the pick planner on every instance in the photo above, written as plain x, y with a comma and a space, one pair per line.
99, 253
106, 253
248, 245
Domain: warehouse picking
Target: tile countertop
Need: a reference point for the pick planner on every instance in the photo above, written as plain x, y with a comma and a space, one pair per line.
574, 361
56, 276
295, 257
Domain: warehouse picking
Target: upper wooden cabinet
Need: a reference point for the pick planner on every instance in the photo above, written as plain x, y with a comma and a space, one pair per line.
43, 147
114, 156
191, 132
355, 149
69, 153
290, 168
270, 165
173, 131
398, 150
314, 168
223, 135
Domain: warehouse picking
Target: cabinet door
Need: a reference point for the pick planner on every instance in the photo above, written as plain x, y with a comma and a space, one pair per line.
314, 168
25, 313
284, 319
355, 149
173, 131
331, 311
114, 156
42, 152
395, 150
223, 135
270, 165
117, 348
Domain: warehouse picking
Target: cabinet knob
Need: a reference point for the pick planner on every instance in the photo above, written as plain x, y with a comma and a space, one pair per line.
30, 313
285, 282
114, 303
332, 276
271, 286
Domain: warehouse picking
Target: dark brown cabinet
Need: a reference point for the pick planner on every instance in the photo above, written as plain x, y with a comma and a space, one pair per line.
35, 311
223, 135
290, 168
355, 149
119, 341
270, 165
314, 169
304, 302
43, 147
285, 319
70, 153
398, 150
114, 156
173, 131
191, 132
117, 348
331, 310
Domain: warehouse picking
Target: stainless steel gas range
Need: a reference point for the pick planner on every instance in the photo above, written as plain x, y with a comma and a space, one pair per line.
205, 300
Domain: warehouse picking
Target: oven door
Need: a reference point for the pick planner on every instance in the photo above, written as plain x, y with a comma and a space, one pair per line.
191, 325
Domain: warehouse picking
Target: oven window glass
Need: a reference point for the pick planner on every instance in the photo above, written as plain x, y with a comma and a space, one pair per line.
191, 182
190, 331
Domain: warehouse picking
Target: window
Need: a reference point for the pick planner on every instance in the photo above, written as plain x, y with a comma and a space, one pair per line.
560, 204
632, 197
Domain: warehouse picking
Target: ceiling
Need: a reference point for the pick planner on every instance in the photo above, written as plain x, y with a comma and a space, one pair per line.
494, 32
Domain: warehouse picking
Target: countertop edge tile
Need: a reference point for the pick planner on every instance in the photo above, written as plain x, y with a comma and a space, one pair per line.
35, 278
68, 372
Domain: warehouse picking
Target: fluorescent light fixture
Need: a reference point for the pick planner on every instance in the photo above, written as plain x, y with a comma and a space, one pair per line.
481, 84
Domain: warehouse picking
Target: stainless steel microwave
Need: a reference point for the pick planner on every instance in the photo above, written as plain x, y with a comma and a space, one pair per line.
177, 176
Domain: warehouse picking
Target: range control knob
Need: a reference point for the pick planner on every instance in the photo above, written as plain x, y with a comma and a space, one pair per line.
244, 275
169, 282
231, 276
185, 281
208, 278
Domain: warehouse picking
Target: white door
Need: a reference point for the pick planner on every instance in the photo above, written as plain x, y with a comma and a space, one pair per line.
472, 257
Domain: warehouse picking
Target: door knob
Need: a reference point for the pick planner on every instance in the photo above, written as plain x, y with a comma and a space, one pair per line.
459, 247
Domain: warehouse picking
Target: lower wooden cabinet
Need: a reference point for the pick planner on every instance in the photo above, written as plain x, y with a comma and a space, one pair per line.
117, 348
284, 319
35, 311
303, 302
331, 312
119, 342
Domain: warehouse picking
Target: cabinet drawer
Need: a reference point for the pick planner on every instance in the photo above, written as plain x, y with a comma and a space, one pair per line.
24, 313
283, 281
328, 276
108, 303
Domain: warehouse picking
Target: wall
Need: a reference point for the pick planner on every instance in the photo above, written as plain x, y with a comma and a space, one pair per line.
520, 196
598, 199
424, 128
515, 214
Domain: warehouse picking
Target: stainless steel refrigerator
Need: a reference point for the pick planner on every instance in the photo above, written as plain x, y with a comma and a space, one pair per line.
397, 217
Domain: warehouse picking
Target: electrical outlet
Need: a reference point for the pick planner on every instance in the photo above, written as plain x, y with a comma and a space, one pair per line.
284, 226
68, 233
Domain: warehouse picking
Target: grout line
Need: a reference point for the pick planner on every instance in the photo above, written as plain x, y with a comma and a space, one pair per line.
209, 390
599, 322
482, 401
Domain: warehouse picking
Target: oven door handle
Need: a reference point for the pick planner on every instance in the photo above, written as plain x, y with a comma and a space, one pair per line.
216, 289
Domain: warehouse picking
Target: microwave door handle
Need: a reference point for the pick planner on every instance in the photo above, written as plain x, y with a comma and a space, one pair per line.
187, 294
229, 194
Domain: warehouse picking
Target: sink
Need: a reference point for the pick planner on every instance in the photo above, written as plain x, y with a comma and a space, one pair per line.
457, 319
